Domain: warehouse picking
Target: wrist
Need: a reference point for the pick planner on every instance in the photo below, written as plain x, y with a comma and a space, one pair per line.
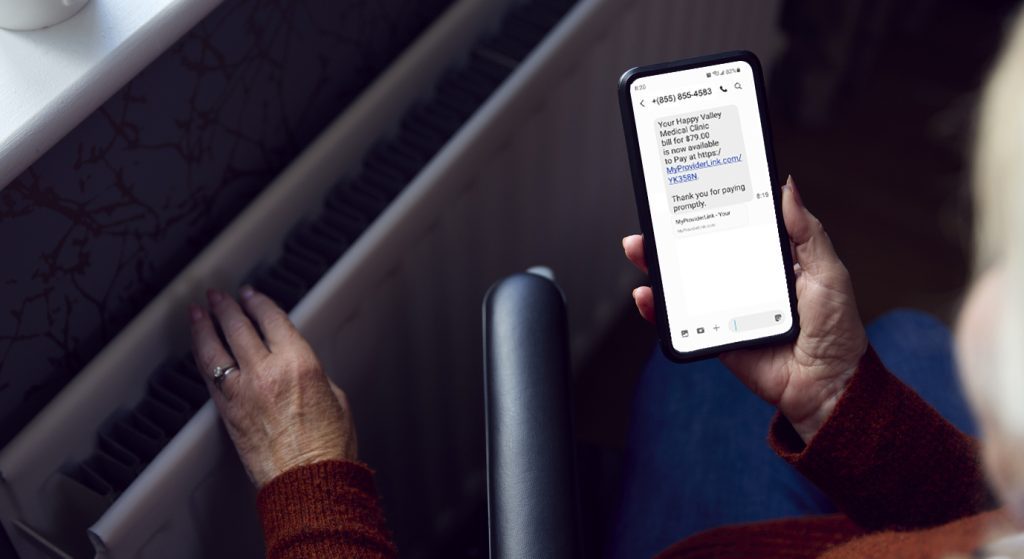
808, 424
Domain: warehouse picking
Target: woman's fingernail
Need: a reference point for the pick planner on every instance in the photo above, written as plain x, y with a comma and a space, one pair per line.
791, 185
195, 312
246, 291
214, 296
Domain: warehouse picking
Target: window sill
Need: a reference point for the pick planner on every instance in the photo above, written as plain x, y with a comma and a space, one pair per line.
51, 79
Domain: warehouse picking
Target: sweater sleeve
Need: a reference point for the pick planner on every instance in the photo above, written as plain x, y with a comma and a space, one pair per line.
886, 458
326, 509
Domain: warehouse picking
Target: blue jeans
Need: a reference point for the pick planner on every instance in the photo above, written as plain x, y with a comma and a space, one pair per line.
697, 455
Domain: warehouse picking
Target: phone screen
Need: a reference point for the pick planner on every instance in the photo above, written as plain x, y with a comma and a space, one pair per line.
712, 207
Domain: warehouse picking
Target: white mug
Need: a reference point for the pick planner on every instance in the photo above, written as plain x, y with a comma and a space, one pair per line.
22, 15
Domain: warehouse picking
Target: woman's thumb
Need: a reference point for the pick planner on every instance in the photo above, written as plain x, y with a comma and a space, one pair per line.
811, 245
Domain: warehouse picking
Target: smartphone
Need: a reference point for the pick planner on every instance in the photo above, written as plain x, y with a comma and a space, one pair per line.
709, 202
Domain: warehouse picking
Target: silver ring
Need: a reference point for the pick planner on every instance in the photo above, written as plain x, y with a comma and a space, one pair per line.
221, 373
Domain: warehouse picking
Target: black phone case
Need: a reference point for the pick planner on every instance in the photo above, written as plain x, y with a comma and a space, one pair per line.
643, 204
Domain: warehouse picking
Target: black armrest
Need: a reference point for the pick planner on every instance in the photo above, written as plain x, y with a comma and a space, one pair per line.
531, 484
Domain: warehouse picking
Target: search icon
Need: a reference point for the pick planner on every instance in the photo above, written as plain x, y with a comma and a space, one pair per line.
737, 85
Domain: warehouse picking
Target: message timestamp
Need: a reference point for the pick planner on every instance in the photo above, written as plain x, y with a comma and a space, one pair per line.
682, 95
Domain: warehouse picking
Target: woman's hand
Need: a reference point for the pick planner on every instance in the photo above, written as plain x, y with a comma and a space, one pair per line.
803, 379
279, 407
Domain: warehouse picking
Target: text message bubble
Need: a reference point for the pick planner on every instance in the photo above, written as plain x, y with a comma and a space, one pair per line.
718, 219
704, 163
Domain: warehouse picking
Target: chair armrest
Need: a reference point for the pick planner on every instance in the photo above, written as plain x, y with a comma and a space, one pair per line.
532, 505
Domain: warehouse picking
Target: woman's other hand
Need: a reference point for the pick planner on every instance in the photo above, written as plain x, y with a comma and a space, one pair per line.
279, 407
803, 379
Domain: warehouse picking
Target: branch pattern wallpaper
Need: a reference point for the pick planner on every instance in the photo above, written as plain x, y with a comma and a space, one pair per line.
105, 219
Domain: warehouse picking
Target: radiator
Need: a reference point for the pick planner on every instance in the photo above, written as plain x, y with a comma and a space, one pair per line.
535, 174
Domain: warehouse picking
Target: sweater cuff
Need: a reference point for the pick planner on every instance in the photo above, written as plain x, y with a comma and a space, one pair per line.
329, 506
885, 457
861, 390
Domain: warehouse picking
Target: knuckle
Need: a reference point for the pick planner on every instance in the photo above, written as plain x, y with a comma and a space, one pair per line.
276, 320
817, 228
234, 327
286, 367
307, 366
271, 386
205, 360
230, 390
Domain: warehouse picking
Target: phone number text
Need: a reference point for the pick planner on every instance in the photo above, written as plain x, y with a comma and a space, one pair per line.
682, 96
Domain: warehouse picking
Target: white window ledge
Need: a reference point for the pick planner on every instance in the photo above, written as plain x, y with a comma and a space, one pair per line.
51, 79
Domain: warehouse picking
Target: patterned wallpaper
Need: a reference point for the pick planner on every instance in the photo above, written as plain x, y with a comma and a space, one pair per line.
105, 219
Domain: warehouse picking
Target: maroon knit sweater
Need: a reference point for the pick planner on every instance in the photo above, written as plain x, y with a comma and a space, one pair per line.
908, 482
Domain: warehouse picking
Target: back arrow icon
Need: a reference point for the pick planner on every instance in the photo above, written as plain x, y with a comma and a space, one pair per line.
642, 104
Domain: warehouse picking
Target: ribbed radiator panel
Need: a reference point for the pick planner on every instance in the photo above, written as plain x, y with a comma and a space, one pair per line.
537, 175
